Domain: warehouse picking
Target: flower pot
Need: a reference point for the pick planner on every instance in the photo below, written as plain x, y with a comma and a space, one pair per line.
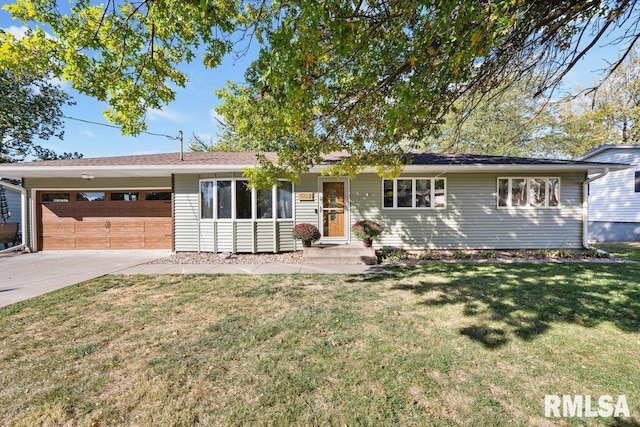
367, 242
306, 243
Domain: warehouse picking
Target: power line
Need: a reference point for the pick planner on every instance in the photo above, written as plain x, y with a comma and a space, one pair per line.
116, 127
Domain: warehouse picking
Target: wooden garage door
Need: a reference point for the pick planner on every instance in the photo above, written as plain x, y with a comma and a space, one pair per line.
133, 219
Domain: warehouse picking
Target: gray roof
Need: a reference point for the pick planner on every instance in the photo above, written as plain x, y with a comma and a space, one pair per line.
166, 164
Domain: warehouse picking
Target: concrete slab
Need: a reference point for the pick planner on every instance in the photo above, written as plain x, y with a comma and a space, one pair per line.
278, 269
336, 269
23, 276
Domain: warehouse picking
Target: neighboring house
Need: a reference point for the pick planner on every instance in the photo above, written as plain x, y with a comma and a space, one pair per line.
614, 199
203, 203
14, 201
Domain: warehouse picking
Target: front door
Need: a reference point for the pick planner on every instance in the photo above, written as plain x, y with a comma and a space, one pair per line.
333, 209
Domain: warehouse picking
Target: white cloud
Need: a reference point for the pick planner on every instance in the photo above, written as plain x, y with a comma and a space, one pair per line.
215, 117
17, 32
165, 114
205, 136
87, 133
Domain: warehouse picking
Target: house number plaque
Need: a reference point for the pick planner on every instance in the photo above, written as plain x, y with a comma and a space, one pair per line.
306, 197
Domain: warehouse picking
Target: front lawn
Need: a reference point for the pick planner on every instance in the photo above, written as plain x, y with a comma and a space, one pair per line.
438, 344
623, 250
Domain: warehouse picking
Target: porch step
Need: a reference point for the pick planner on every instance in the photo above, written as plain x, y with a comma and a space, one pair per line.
339, 254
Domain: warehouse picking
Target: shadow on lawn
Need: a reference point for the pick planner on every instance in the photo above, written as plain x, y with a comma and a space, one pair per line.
523, 300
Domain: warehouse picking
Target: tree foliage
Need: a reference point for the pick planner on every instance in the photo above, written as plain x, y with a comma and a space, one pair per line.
30, 107
361, 76
123, 52
608, 115
508, 121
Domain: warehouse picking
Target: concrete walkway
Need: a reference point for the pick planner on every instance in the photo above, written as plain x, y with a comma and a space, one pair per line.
252, 269
24, 276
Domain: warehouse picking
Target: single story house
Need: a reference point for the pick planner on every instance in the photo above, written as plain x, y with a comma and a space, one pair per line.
202, 202
614, 199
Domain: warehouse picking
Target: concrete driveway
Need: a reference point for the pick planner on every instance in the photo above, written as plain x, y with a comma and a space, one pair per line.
23, 276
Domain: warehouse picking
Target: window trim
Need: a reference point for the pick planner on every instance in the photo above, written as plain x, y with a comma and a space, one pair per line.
413, 206
528, 205
636, 181
234, 207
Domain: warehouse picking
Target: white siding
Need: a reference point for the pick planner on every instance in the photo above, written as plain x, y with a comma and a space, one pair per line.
186, 214
244, 236
225, 236
264, 236
471, 218
285, 236
306, 211
207, 236
612, 198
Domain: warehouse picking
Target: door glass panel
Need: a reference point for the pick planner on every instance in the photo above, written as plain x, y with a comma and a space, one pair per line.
55, 197
333, 214
125, 197
90, 197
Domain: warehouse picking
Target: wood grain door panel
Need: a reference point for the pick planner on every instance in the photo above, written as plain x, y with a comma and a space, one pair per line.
104, 224
333, 212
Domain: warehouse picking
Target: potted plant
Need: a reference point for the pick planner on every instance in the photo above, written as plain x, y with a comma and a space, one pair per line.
367, 230
306, 232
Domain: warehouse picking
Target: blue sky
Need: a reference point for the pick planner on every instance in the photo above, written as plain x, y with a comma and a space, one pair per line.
192, 110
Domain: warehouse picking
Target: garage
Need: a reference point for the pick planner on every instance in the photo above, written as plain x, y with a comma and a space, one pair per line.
109, 219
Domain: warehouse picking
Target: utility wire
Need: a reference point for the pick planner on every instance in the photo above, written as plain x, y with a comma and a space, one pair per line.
116, 127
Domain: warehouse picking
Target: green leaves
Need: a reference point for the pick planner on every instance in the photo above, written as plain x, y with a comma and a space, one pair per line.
369, 78
123, 52
30, 106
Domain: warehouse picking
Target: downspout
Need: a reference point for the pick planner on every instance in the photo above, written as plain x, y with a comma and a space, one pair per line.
23, 220
585, 206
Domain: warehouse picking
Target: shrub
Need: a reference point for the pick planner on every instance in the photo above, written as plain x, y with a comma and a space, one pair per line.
306, 232
427, 256
459, 254
490, 254
366, 229
595, 253
398, 255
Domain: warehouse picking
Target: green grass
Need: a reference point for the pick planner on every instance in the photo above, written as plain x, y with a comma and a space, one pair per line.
440, 344
625, 250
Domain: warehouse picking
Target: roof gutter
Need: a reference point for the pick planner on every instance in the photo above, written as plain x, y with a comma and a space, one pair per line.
23, 220
585, 206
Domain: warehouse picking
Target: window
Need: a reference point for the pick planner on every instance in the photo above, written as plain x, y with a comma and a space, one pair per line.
265, 203
637, 181
285, 200
90, 197
421, 193
235, 195
223, 199
528, 192
206, 199
158, 195
243, 200
55, 197
125, 197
